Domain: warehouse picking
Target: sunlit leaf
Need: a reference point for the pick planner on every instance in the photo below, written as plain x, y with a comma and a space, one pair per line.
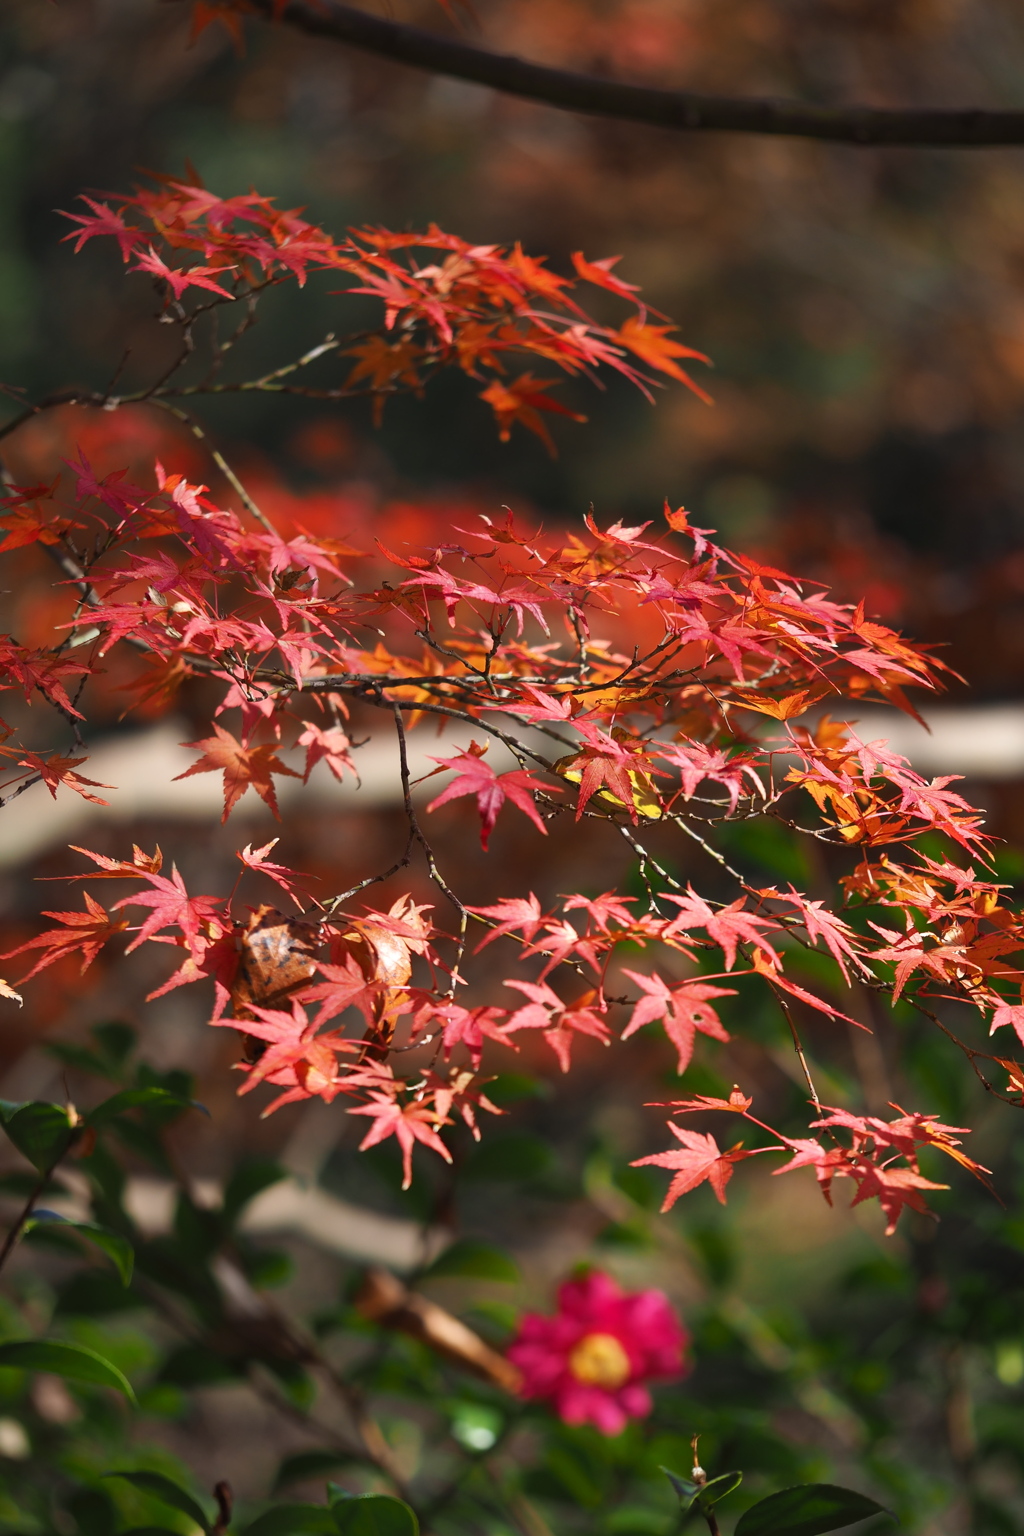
168, 1492
117, 1248
74, 1362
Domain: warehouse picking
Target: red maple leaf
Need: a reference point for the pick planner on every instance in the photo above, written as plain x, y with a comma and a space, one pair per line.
332, 746
729, 927
509, 914
522, 400
600, 274
460, 1026
654, 346
697, 762
296, 1054
241, 765
57, 770
699, 1158
766, 966
119, 869
683, 1010
172, 906
605, 765
461, 1091
827, 1163
737, 1103
287, 879
475, 777
345, 986
217, 959
822, 924
87, 931
1009, 1013
893, 1188
102, 221
561, 1022
409, 1123
603, 909
39, 669
560, 940
180, 278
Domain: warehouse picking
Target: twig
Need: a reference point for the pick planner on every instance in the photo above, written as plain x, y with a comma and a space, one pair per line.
787, 1014
11, 1240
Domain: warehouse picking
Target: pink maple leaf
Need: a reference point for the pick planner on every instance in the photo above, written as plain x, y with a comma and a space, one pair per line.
475, 777
180, 278
510, 913
698, 1158
683, 1010
408, 1123
288, 879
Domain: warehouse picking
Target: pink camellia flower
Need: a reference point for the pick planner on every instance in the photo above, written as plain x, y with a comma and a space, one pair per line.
593, 1357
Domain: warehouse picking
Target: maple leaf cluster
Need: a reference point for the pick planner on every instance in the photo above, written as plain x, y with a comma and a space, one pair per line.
446, 302
641, 679
882, 1158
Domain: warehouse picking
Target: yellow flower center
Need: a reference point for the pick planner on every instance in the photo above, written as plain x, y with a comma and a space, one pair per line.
599, 1360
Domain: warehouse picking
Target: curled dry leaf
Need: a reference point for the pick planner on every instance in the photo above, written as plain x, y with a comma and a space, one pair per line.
276, 959
383, 1299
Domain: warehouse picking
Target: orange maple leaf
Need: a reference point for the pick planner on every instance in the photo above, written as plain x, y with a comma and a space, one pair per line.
782, 709
523, 400
653, 346
241, 765
59, 770
87, 931
228, 12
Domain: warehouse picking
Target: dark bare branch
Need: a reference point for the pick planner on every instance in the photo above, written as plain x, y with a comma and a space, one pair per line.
686, 111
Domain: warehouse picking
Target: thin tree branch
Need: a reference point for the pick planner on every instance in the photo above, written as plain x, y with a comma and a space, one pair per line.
24, 1215
685, 111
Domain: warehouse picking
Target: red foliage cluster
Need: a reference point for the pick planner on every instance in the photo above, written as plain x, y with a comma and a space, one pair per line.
627, 676
446, 302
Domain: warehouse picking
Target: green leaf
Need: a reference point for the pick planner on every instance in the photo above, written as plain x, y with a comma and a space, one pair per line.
162, 1488
374, 1514
190, 1365
93, 1512
150, 1530
21, 1185
95, 1293
289, 1519
808, 1510
477, 1261
72, 1361
307, 1464
117, 1248
247, 1182
266, 1267
717, 1487
41, 1131
116, 1040
686, 1489
138, 1098
511, 1087
703, 1494
517, 1156
78, 1056
114, 1044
